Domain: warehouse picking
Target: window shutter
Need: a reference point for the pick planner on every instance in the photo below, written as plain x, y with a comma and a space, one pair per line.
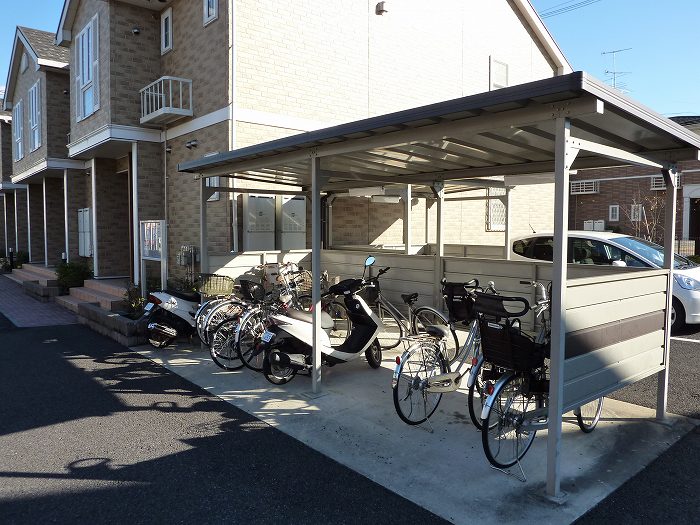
95, 61
38, 112
78, 82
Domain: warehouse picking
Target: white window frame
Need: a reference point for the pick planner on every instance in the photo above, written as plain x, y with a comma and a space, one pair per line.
23, 62
614, 213
636, 213
34, 101
659, 183
209, 18
87, 69
166, 22
18, 129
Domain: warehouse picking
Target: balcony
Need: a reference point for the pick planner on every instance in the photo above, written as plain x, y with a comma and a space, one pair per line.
166, 100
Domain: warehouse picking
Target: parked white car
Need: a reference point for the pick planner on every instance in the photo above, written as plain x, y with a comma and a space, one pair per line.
592, 247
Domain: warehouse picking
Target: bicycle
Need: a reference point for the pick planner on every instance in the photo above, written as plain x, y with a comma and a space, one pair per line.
397, 326
516, 407
421, 376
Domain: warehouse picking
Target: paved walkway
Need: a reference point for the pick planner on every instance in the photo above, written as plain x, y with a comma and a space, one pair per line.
25, 311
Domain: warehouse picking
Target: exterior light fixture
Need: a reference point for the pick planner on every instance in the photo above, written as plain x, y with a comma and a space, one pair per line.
136, 30
191, 144
380, 8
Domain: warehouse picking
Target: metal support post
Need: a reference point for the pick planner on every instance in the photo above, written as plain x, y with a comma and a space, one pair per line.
46, 230
29, 228
66, 229
439, 192
507, 205
564, 158
204, 194
669, 236
316, 182
135, 224
407, 220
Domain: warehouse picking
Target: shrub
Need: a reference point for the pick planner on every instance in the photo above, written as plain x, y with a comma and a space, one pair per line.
72, 274
5, 265
134, 300
21, 258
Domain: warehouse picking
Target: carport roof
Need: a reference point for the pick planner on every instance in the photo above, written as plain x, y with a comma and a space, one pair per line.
510, 131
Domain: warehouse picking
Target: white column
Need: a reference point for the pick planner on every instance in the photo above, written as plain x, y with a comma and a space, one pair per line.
407, 226
46, 231
329, 220
669, 236
93, 180
508, 237
135, 219
14, 192
29, 229
204, 194
439, 192
4, 222
316, 271
65, 215
564, 157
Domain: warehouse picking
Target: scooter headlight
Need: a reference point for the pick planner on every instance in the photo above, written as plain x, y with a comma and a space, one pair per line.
686, 282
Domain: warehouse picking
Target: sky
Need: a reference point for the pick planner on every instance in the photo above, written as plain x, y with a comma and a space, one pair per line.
658, 70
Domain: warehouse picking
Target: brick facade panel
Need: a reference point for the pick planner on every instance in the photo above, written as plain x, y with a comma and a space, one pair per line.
113, 219
57, 104
36, 218
5, 151
55, 220
9, 208
78, 197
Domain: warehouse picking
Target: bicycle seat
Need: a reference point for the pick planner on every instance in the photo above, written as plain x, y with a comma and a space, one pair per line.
440, 332
409, 298
193, 297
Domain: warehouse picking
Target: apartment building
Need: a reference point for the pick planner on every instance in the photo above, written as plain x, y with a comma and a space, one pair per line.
7, 196
156, 83
631, 199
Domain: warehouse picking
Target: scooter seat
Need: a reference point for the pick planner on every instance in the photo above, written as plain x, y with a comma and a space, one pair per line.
300, 316
192, 297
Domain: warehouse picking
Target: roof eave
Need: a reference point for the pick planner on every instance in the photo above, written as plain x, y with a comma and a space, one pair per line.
63, 33
544, 36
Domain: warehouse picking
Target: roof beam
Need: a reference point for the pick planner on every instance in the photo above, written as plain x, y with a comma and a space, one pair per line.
612, 153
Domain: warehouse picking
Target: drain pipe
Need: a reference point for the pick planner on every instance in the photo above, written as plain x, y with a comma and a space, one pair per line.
165, 256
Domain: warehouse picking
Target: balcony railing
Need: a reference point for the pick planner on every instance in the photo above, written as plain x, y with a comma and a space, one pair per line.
166, 100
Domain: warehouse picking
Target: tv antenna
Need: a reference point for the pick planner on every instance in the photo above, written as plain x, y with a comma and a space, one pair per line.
614, 72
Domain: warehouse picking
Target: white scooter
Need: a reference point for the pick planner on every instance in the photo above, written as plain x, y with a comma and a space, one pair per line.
170, 315
287, 341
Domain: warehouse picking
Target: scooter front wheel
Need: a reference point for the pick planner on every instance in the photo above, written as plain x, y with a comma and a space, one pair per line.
276, 374
374, 355
158, 340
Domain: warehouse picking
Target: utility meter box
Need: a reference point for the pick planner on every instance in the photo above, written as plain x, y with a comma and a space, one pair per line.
258, 222
291, 223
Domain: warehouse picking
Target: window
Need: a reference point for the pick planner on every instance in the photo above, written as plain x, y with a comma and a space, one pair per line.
658, 183
614, 213
584, 186
498, 74
211, 11
23, 63
636, 213
495, 210
166, 31
17, 126
87, 70
34, 117
213, 182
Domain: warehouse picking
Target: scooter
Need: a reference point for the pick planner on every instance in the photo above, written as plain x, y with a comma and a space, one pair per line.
286, 343
170, 315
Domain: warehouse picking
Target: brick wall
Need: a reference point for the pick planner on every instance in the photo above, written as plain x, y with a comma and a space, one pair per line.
5, 151
78, 197
36, 218
55, 220
24, 81
113, 220
86, 10
10, 219
200, 54
57, 114
135, 59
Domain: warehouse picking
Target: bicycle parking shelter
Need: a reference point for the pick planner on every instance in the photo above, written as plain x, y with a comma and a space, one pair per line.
524, 134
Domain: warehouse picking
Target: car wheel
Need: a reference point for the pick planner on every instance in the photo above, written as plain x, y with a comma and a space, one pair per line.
677, 315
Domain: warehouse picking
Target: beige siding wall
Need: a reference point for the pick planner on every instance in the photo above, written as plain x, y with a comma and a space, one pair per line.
86, 10
368, 64
55, 220
135, 59
57, 114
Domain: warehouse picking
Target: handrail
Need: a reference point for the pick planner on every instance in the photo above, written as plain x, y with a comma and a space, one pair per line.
165, 98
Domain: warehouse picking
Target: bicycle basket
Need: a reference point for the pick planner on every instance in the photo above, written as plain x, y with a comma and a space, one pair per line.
251, 290
459, 301
214, 284
507, 347
370, 294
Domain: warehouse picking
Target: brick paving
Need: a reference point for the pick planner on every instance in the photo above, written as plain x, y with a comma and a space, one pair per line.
25, 311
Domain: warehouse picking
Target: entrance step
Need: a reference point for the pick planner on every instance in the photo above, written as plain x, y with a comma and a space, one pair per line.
106, 300
69, 302
115, 287
34, 272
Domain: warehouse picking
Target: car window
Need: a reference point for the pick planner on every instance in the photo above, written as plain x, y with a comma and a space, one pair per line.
543, 249
616, 254
522, 246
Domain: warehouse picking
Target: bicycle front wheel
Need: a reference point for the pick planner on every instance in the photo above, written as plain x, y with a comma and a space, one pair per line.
248, 341
503, 436
426, 316
413, 403
222, 348
391, 332
588, 415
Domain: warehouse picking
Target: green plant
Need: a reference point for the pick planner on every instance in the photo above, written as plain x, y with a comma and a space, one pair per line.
72, 274
5, 265
21, 258
134, 300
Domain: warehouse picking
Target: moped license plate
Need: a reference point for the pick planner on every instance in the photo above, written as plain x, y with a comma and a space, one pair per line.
148, 307
267, 336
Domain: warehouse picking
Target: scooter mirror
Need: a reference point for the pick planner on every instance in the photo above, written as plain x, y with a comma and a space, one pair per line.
369, 261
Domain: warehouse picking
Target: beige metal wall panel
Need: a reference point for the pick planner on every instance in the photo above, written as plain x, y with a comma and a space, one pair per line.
580, 293
598, 314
